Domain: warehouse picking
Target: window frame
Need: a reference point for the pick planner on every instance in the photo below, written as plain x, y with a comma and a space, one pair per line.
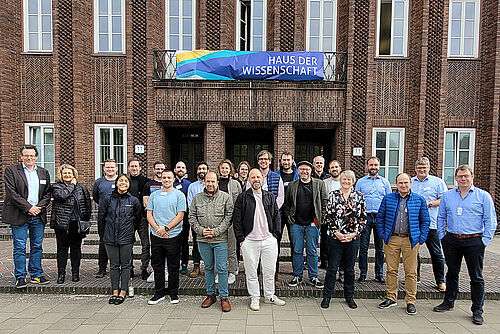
41, 152
405, 30
264, 25
402, 132
110, 27
39, 32
472, 149
181, 15
321, 35
97, 152
477, 18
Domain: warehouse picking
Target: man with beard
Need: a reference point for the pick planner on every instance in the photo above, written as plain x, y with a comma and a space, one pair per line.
137, 182
271, 180
182, 183
193, 189
332, 183
288, 172
319, 168
373, 187
256, 223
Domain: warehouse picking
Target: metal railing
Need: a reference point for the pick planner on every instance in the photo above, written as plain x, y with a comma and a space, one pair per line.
334, 66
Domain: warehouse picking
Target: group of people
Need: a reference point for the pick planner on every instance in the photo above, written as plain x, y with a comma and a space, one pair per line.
242, 211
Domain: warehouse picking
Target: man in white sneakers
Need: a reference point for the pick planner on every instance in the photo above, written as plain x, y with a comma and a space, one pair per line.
257, 225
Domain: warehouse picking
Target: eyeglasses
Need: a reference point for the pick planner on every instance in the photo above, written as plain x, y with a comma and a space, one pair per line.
29, 156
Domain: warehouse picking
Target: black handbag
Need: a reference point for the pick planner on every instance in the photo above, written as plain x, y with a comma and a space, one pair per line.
83, 225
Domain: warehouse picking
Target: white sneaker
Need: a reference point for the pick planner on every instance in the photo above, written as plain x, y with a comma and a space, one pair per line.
231, 278
216, 278
254, 304
151, 277
274, 300
174, 300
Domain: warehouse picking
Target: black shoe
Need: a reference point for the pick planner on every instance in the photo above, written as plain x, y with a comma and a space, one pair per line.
477, 318
295, 281
387, 303
411, 309
21, 283
316, 283
444, 306
144, 274
101, 274
184, 269
380, 279
325, 303
119, 300
75, 277
132, 274
341, 278
60, 278
39, 280
351, 303
112, 299
362, 279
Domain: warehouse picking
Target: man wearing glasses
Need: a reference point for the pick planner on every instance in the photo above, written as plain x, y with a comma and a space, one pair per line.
27, 189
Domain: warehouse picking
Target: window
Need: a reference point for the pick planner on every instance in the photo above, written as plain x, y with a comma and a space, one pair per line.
37, 25
42, 136
321, 25
180, 25
109, 24
463, 31
110, 143
251, 26
388, 146
392, 27
458, 150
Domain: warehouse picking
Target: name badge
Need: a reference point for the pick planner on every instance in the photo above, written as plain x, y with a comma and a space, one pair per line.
285, 184
459, 211
164, 193
43, 181
179, 186
112, 186
427, 188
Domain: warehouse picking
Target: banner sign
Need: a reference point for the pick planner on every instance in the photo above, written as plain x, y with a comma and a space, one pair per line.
250, 65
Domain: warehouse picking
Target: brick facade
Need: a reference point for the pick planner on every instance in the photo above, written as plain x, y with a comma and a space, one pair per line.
425, 92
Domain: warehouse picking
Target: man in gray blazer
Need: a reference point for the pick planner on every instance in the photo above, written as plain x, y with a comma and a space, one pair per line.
27, 189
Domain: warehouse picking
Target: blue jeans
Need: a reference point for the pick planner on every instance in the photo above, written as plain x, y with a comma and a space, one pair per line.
36, 228
434, 246
340, 251
215, 255
311, 235
371, 224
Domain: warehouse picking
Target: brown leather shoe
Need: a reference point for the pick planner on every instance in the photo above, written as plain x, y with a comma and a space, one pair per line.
442, 287
209, 301
224, 303
195, 272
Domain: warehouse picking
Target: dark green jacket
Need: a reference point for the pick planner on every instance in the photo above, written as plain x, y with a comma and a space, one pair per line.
320, 197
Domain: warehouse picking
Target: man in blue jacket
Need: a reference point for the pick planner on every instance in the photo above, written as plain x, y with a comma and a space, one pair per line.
402, 223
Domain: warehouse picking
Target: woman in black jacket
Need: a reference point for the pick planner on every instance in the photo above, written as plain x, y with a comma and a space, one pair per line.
71, 204
120, 214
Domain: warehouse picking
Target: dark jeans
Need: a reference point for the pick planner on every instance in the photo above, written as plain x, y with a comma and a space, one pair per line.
284, 222
69, 240
323, 244
103, 256
434, 247
169, 248
196, 252
371, 224
185, 240
119, 265
472, 249
337, 252
143, 232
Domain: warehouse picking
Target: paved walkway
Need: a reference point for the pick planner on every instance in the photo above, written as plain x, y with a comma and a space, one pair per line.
91, 314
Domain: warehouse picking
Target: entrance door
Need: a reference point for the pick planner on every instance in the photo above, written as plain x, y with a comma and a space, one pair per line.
186, 144
311, 143
244, 144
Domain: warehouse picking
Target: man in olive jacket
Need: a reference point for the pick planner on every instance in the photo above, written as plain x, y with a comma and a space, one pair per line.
210, 217
304, 206
27, 194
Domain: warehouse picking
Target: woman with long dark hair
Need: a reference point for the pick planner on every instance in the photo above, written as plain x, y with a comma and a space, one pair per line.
120, 214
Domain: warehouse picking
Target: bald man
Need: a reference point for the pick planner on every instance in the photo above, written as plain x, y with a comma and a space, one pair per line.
403, 224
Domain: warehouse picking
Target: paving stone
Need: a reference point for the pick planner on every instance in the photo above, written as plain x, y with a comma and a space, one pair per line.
287, 325
396, 327
259, 329
203, 329
177, 325
342, 326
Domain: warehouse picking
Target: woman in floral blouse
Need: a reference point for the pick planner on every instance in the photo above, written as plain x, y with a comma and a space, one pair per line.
345, 216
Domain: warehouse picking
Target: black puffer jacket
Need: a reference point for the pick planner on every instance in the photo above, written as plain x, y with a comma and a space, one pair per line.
120, 215
66, 198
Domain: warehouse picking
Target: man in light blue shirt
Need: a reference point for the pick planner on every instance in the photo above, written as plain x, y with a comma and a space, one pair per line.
165, 212
432, 189
193, 189
467, 216
373, 187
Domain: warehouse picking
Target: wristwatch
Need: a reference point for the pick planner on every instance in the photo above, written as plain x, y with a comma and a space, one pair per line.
167, 228
429, 205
